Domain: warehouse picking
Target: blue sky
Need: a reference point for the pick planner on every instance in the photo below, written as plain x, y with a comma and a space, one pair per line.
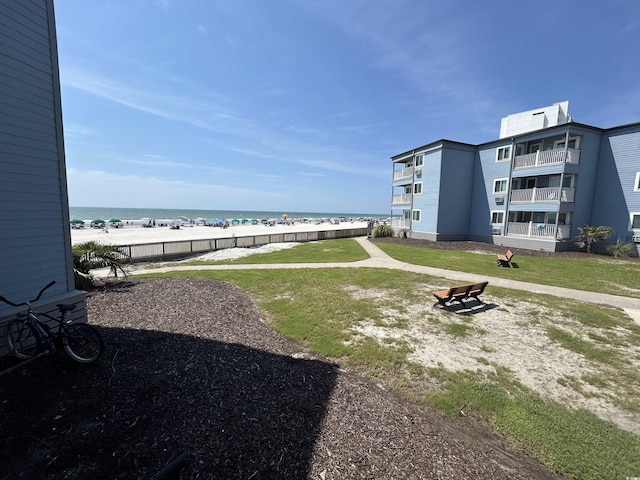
298, 105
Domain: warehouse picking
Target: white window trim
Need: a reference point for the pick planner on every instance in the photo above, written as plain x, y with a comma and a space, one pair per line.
636, 185
419, 160
413, 215
502, 192
631, 215
421, 188
538, 144
506, 158
491, 217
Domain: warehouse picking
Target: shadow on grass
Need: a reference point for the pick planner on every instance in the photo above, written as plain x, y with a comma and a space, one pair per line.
469, 307
238, 412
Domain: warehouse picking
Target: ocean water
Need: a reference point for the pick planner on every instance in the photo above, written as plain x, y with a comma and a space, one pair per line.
106, 213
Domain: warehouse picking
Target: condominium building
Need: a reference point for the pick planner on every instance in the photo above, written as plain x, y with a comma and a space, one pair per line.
545, 176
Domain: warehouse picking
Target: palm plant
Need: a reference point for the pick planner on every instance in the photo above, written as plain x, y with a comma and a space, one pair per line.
590, 235
92, 254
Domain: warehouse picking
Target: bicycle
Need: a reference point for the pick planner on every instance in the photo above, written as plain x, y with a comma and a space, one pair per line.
27, 335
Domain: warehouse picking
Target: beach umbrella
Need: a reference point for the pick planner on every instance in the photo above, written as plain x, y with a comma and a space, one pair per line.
245, 220
75, 221
285, 216
97, 221
235, 220
115, 220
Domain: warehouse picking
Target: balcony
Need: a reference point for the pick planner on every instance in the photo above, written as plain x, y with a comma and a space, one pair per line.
543, 195
402, 199
538, 230
403, 174
401, 223
547, 157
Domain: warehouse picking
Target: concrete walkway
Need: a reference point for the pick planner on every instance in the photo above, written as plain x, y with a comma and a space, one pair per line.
379, 259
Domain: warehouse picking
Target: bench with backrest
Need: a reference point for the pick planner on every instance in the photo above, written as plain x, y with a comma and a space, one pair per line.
460, 293
505, 260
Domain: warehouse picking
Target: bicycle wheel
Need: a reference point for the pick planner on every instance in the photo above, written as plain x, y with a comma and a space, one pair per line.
82, 343
22, 339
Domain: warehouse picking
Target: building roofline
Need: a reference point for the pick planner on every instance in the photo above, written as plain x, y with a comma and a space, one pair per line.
432, 146
442, 142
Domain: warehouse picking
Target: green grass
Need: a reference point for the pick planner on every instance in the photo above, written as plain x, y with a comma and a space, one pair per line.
596, 274
316, 308
339, 250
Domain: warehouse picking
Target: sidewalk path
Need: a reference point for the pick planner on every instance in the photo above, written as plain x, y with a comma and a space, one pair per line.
379, 259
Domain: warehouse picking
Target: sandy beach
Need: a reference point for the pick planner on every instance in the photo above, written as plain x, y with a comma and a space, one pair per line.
137, 235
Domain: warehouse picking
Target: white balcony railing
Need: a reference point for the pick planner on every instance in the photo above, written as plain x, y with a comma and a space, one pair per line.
401, 223
546, 157
541, 230
543, 195
401, 199
403, 173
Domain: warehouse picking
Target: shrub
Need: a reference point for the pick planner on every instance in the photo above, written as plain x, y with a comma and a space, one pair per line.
383, 231
619, 249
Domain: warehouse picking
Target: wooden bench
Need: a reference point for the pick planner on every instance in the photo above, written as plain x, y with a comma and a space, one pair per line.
505, 260
460, 293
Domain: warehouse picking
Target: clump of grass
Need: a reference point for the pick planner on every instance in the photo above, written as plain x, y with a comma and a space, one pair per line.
576, 442
383, 231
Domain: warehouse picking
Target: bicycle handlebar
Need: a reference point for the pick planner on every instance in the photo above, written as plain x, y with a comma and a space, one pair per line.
3, 299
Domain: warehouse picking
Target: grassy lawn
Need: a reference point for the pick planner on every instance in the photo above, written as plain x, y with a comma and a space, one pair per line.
597, 274
324, 251
323, 310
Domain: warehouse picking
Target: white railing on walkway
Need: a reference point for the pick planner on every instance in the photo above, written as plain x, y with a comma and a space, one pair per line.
401, 199
402, 173
542, 195
547, 157
541, 230
184, 248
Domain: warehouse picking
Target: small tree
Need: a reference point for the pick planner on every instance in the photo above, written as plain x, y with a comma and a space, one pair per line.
90, 255
590, 235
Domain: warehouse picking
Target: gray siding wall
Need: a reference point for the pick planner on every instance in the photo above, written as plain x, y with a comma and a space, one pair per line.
34, 237
614, 196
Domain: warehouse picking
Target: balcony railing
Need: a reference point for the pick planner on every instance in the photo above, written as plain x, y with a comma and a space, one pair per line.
540, 230
401, 199
401, 223
546, 157
543, 195
403, 173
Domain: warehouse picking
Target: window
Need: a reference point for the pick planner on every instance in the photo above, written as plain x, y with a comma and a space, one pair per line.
415, 215
419, 160
417, 188
500, 185
497, 217
573, 143
504, 153
635, 221
534, 147
636, 185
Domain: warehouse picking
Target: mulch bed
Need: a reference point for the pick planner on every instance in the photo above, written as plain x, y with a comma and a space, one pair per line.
192, 368
488, 247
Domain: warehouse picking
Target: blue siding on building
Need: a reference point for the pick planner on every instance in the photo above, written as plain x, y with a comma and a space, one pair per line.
35, 238
615, 197
429, 200
603, 186
455, 192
